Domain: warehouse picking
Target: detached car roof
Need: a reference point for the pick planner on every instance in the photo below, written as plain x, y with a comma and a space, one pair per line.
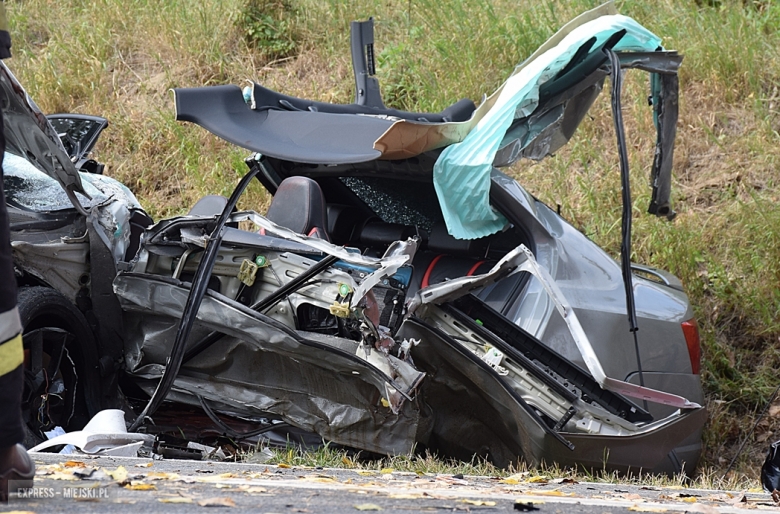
533, 114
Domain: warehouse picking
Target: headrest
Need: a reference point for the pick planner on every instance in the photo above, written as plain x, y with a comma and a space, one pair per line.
300, 206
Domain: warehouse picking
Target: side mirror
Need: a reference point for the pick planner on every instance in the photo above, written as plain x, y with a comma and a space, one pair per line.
79, 133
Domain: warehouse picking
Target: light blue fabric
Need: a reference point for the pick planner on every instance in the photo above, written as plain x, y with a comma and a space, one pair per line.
461, 174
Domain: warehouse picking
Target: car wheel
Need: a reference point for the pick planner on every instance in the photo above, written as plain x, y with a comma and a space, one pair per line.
59, 361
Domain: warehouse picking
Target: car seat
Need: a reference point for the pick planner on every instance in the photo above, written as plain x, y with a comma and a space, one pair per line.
299, 205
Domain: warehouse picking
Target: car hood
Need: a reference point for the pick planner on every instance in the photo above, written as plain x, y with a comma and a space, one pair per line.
28, 133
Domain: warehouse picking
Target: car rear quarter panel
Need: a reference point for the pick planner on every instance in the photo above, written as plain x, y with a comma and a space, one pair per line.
592, 282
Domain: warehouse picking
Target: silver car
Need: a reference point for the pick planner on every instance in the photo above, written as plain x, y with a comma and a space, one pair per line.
350, 310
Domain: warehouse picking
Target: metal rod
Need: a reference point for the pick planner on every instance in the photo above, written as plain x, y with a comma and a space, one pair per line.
294, 284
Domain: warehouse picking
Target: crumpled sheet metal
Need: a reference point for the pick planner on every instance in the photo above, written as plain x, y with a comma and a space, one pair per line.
521, 259
474, 412
265, 367
466, 397
398, 254
462, 172
71, 263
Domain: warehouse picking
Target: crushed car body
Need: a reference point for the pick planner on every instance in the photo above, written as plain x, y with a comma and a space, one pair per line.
351, 310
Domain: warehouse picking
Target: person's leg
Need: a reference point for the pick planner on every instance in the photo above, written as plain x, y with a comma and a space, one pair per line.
15, 464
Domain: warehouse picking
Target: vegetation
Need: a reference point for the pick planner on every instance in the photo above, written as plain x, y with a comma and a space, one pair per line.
427, 464
118, 58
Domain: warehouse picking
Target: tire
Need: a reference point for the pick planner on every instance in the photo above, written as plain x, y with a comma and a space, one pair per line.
56, 395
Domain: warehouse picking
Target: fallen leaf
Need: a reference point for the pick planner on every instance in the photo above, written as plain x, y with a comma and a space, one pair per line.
217, 502
144, 465
326, 480
637, 508
175, 500
702, 509
690, 499
366, 473
223, 486
515, 479
283, 465
478, 502
719, 497
537, 479
564, 481
162, 476
739, 498
547, 493
368, 506
141, 487
74, 464
631, 496
119, 474
387, 470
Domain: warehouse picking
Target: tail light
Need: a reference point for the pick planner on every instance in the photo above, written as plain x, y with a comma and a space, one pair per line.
691, 330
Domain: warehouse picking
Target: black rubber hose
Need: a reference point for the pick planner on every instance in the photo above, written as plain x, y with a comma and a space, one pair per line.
197, 291
625, 182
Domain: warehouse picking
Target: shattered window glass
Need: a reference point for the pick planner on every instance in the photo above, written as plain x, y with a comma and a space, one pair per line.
28, 187
398, 201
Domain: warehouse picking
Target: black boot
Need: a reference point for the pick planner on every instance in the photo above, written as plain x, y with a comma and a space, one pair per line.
16, 466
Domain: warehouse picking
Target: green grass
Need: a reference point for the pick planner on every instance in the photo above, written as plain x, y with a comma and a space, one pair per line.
119, 59
427, 464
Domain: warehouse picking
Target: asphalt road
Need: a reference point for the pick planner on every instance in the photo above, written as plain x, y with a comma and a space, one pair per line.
130, 485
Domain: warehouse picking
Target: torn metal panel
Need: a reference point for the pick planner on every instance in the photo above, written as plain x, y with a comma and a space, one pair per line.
660, 61
521, 259
468, 387
263, 355
665, 90
467, 401
64, 266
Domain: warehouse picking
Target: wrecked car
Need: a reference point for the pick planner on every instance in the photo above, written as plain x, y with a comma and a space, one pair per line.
401, 291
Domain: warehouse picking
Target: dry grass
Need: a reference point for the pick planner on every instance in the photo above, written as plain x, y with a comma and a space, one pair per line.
119, 59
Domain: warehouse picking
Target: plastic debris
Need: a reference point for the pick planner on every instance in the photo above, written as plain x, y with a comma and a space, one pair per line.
105, 431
